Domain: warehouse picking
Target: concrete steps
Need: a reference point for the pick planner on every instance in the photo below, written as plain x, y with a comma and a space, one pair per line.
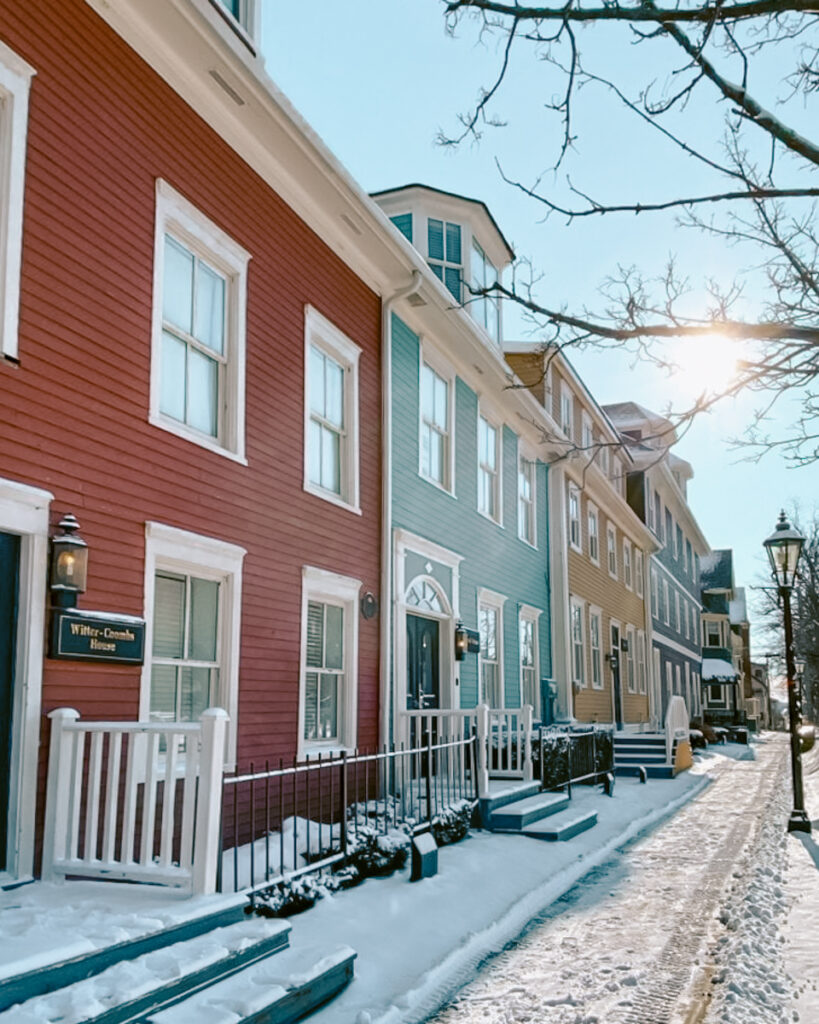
562, 826
633, 751
523, 809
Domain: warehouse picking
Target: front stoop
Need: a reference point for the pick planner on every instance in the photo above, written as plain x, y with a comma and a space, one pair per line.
242, 972
633, 751
525, 810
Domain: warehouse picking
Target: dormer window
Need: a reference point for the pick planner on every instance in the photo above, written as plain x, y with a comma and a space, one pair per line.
485, 308
243, 12
403, 221
444, 253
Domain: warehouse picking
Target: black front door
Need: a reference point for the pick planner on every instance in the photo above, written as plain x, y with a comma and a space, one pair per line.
615, 675
423, 664
9, 573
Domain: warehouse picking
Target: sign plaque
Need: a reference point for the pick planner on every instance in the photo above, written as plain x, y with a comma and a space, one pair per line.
79, 635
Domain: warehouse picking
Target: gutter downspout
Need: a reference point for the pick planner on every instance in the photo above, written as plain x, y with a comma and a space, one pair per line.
385, 652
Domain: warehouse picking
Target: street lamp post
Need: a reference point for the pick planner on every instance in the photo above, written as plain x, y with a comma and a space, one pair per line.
784, 547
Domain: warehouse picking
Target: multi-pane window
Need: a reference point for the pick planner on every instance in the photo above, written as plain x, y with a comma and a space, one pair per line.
668, 537
594, 534
627, 578
658, 515
605, 460
324, 671
242, 11
578, 644
677, 623
595, 632
641, 661
617, 474
611, 544
689, 558
638, 572
713, 634
666, 604
194, 350
630, 660
185, 652
331, 412
485, 308
678, 542
326, 430
434, 426
574, 517
529, 683
526, 500
686, 619
685, 551
444, 253
655, 598
586, 437
567, 412
488, 475
491, 676
694, 620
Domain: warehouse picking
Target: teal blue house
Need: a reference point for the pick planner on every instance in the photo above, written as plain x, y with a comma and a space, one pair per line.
470, 483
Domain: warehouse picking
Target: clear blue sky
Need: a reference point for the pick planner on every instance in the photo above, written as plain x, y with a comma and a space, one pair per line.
377, 79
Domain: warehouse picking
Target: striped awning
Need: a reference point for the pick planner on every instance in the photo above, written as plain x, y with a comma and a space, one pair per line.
718, 670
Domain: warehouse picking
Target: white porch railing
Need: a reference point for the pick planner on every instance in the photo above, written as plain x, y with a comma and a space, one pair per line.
676, 724
135, 801
504, 737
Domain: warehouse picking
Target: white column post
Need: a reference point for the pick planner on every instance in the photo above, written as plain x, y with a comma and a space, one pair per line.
483, 749
58, 788
209, 801
527, 743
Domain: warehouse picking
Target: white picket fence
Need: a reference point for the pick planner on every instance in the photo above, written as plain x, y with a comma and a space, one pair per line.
135, 801
504, 747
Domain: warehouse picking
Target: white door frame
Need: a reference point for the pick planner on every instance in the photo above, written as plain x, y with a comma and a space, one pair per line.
615, 623
24, 511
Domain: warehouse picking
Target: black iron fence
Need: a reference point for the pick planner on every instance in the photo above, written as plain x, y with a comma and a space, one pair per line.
563, 758
287, 820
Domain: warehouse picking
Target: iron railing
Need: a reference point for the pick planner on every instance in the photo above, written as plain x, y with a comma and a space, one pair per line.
567, 758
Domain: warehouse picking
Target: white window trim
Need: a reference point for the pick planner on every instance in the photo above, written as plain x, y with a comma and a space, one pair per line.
527, 456
429, 356
573, 489
642, 659
578, 602
15, 83
628, 578
586, 433
492, 599
677, 612
596, 612
611, 548
320, 585
632, 683
655, 593
180, 218
497, 424
666, 604
323, 334
593, 512
567, 393
529, 613
167, 547
639, 569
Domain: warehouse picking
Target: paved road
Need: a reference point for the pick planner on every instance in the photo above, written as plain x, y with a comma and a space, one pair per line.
631, 944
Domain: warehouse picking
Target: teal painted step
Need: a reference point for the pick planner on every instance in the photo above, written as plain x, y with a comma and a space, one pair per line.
639, 737
503, 794
275, 991
654, 771
641, 757
18, 988
516, 816
124, 992
562, 826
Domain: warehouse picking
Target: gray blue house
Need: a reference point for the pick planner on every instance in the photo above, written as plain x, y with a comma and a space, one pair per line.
657, 491
469, 480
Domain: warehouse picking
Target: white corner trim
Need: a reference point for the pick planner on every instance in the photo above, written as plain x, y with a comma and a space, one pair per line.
15, 83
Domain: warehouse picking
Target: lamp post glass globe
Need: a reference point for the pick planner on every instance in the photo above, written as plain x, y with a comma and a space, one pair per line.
784, 546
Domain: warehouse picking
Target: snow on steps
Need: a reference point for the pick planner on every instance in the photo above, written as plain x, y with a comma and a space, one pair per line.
562, 826
633, 751
515, 817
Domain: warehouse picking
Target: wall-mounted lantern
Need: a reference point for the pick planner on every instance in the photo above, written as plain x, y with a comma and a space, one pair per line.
467, 641
69, 563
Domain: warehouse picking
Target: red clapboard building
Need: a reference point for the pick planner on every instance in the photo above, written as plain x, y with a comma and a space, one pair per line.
190, 360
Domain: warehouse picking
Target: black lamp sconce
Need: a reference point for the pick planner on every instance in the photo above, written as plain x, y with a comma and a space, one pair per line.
467, 641
69, 564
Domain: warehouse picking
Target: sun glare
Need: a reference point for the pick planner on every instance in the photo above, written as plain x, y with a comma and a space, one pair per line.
706, 364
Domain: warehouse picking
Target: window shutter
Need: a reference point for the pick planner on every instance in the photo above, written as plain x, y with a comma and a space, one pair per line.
403, 221
315, 633
435, 239
453, 243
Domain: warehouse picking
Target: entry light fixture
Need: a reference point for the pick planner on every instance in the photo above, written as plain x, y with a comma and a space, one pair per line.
467, 641
69, 563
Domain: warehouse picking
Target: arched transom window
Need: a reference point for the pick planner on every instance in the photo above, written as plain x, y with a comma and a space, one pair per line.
423, 595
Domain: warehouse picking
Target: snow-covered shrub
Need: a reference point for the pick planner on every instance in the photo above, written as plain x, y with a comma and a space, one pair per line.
452, 824
287, 898
374, 853
555, 762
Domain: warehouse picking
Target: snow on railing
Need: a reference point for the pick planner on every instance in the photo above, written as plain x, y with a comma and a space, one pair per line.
137, 801
676, 724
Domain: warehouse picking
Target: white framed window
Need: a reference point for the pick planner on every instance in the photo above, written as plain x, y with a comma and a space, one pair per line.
444, 254
574, 518
578, 634
436, 427
686, 619
611, 549
639, 569
15, 82
713, 634
605, 459
193, 593
198, 328
689, 558
489, 479
677, 618
650, 518
529, 658
490, 630
485, 308
595, 647
666, 604
631, 676
685, 548
245, 14
328, 673
567, 411
586, 435
331, 415
594, 533
655, 594
617, 474
694, 620
678, 542
526, 501
627, 576
641, 661
677, 680
688, 694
